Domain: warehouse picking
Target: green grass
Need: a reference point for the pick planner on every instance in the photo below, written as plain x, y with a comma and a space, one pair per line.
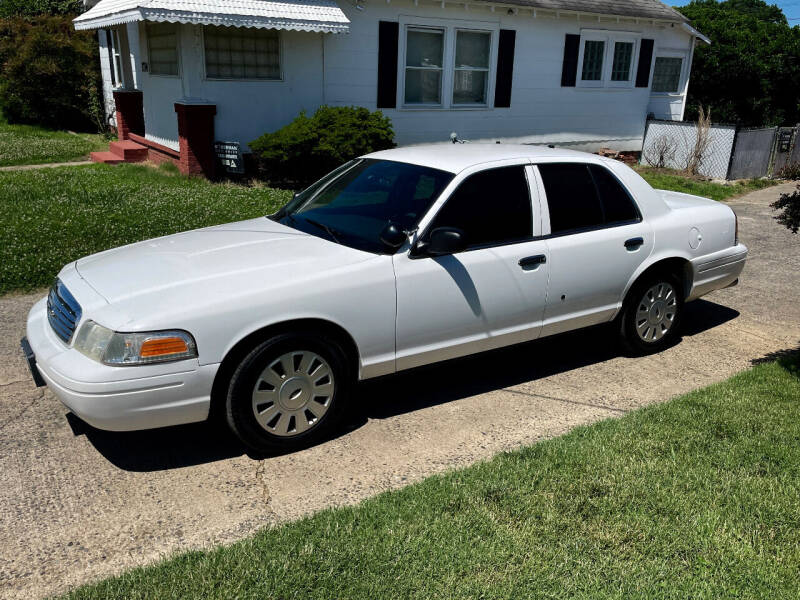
695, 498
31, 145
53, 216
666, 179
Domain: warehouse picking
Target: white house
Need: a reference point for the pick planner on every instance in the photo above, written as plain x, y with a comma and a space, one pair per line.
180, 75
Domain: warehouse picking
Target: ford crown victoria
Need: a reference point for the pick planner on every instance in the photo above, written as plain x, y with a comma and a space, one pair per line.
397, 259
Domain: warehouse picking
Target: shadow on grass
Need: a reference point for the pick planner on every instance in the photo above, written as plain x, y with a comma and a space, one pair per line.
187, 445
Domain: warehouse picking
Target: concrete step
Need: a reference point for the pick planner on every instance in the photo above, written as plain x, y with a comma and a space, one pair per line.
108, 158
128, 151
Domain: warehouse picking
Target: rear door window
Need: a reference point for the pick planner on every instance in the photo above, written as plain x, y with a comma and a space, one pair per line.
571, 197
617, 204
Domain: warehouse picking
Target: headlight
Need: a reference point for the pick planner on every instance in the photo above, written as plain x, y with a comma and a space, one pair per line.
127, 349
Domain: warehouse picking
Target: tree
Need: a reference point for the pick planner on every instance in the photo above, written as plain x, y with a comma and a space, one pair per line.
34, 8
750, 74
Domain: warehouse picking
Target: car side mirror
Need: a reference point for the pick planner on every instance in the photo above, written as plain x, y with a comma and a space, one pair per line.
393, 237
445, 240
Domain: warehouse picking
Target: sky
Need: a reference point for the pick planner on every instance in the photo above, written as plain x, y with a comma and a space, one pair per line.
791, 8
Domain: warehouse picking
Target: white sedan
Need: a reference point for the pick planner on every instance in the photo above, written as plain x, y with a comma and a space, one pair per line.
397, 259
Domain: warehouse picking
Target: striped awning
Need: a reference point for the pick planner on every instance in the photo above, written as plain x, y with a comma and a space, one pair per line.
298, 15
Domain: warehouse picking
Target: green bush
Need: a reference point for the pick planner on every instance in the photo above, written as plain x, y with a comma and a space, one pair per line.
50, 73
309, 147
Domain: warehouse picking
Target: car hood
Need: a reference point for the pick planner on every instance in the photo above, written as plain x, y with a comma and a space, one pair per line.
210, 260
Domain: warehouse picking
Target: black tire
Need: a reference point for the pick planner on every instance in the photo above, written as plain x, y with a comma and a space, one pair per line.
239, 404
631, 321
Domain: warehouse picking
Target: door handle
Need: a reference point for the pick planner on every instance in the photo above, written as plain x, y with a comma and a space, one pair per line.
531, 262
634, 243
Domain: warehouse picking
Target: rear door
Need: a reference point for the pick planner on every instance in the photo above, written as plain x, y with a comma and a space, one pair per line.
596, 240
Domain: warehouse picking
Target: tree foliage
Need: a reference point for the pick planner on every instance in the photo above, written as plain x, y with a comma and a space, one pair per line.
49, 73
750, 74
34, 8
789, 205
309, 147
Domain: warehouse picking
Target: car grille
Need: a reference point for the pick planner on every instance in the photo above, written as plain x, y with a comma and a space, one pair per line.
63, 311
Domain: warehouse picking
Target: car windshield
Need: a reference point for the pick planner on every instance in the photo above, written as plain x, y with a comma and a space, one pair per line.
353, 204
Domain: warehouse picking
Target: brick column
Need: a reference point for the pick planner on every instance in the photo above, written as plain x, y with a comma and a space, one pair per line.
196, 138
130, 113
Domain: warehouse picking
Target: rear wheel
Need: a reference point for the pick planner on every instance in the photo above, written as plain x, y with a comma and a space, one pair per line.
652, 314
288, 392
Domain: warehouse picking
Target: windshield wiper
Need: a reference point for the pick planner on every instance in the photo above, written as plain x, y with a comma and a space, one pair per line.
329, 230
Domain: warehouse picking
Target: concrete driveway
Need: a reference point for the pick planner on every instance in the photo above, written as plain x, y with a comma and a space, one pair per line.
78, 504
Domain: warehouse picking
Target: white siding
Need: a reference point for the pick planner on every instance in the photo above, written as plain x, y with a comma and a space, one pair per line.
105, 73
346, 74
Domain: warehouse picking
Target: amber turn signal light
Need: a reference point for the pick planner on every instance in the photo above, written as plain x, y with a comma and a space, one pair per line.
163, 346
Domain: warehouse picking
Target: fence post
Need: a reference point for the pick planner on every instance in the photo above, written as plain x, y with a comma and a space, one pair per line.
733, 151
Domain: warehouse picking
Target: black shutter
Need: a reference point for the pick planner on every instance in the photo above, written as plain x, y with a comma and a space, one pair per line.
569, 68
505, 68
388, 35
645, 58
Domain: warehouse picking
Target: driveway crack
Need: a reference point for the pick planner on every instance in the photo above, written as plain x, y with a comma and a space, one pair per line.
25, 409
266, 496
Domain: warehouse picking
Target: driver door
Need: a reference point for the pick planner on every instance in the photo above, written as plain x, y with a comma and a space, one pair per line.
491, 293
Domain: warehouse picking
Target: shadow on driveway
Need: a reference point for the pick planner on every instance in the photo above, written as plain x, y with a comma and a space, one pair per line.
199, 443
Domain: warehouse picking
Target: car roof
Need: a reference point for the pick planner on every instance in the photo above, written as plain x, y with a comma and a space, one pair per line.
457, 157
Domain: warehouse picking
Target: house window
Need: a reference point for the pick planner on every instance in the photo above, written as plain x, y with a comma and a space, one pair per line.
593, 51
667, 74
623, 59
607, 58
239, 53
424, 65
471, 74
162, 48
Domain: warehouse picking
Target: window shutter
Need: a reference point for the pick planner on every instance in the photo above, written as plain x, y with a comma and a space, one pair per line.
645, 58
505, 68
388, 35
569, 68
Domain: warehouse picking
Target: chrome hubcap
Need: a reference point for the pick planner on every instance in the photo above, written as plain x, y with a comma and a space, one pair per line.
293, 393
656, 311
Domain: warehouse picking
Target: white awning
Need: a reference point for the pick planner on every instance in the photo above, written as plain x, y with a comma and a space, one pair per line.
299, 15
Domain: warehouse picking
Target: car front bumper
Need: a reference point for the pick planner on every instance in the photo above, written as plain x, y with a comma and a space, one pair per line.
117, 398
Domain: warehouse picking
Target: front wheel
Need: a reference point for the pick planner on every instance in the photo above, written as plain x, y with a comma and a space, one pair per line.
652, 314
288, 392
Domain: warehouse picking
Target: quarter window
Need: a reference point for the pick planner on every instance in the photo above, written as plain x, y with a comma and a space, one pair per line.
424, 64
162, 48
240, 53
667, 74
492, 207
471, 67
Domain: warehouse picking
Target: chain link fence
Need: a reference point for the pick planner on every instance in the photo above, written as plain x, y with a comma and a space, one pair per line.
730, 153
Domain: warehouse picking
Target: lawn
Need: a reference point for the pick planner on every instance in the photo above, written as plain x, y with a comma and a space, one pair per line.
54, 216
695, 498
30, 145
667, 179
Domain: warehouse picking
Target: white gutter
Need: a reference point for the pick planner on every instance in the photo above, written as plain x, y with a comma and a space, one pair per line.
692, 31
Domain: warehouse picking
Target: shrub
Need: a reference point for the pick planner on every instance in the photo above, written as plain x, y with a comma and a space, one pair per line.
309, 147
789, 205
790, 171
50, 73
